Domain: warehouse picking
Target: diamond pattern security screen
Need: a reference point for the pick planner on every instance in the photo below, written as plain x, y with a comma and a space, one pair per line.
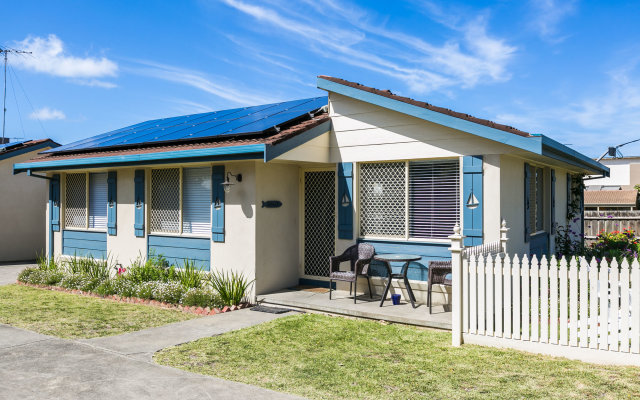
165, 200
75, 215
319, 221
434, 198
382, 199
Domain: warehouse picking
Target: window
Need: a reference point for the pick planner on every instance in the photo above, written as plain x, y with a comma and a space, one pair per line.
86, 208
536, 199
418, 200
181, 200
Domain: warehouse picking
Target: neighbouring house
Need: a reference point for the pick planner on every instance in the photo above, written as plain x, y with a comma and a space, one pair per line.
611, 200
22, 203
274, 190
624, 174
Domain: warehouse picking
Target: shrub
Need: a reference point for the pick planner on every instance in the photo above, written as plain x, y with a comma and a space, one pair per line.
148, 271
144, 290
169, 292
124, 287
189, 275
201, 297
25, 275
106, 288
78, 281
95, 269
616, 244
231, 286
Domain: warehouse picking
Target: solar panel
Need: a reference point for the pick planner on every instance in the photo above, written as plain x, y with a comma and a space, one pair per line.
245, 120
7, 146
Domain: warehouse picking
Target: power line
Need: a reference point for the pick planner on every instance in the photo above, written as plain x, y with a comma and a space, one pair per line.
5, 52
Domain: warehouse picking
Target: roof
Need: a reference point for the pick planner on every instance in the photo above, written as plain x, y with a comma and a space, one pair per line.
244, 121
610, 197
13, 149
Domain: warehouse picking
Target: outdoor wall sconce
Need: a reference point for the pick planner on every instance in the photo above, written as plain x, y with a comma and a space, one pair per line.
227, 183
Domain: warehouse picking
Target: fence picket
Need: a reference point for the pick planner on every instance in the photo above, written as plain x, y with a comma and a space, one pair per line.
499, 293
624, 307
465, 295
489, 294
603, 292
553, 303
526, 310
593, 304
507, 313
535, 298
544, 300
482, 262
517, 312
635, 307
614, 309
584, 302
563, 302
473, 297
573, 302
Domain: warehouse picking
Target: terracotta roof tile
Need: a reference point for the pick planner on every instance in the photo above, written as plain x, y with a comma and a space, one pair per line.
610, 197
442, 110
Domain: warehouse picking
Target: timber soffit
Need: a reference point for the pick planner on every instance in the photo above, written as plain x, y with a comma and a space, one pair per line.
534, 143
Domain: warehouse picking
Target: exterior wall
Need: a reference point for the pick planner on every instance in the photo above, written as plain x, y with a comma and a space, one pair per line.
23, 215
278, 238
512, 202
624, 172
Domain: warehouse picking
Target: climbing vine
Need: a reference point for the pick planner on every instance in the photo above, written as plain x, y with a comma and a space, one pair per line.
569, 241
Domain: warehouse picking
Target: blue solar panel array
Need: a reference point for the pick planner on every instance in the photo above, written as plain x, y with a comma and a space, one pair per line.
7, 146
246, 120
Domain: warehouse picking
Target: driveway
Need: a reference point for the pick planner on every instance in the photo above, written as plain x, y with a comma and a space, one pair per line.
9, 271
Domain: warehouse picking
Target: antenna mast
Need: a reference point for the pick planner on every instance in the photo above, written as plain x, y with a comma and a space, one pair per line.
5, 53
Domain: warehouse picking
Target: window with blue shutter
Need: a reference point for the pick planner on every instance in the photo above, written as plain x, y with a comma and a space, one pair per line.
345, 201
54, 202
473, 200
196, 200
217, 203
139, 203
112, 202
98, 197
553, 200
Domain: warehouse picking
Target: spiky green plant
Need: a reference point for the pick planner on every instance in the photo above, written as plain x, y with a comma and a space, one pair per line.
190, 276
232, 286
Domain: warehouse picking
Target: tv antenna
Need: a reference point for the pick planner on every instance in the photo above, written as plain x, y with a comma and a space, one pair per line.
5, 53
613, 151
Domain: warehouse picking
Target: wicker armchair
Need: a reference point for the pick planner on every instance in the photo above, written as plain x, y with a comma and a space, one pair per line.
438, 271
360, 256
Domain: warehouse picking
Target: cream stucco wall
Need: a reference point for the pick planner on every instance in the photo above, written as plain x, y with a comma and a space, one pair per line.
23, 202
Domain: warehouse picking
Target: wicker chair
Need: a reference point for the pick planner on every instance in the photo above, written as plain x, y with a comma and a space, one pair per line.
360, 256
438, 271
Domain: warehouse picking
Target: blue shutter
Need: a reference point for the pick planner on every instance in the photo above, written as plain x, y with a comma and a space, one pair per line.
112, 203
54, 202
581, 213
345, 201
553, 200
139, 203
568, 194
527, 203
217, 203
472, 197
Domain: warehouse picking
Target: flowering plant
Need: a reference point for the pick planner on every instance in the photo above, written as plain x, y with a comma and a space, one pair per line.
616, 244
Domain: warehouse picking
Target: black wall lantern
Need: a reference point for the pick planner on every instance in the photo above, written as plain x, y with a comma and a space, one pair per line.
227, 183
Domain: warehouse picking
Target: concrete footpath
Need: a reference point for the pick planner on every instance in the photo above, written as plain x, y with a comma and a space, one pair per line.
9, 272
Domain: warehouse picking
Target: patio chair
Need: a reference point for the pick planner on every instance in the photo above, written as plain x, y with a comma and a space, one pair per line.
360, 256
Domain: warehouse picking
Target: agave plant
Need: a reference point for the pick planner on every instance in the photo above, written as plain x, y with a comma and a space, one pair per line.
232, 286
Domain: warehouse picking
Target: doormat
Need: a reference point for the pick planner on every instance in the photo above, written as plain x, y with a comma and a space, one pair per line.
314, 289
270, 310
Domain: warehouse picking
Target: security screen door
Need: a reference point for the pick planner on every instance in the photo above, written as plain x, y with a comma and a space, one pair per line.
319, 221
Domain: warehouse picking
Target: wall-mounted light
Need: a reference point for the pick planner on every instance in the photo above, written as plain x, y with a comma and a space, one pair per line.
227, 183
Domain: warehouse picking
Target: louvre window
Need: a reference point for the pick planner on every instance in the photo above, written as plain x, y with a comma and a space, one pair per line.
181, 201
418, 200
82, 211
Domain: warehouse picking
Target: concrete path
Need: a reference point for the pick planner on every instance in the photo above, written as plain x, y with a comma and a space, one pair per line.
9, 272
34, 366
143, 344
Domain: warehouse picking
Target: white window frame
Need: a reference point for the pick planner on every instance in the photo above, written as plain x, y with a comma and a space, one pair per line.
149, 192
63, 209
406, 237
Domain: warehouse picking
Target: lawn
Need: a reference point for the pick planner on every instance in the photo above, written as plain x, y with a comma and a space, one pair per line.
325, 357
72, 316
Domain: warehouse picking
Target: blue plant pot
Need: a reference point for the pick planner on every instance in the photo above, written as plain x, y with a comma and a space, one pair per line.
395, 298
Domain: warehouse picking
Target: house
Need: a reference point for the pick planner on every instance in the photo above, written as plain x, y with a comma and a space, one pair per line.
624, 175
22, 203
273, 190
611, 200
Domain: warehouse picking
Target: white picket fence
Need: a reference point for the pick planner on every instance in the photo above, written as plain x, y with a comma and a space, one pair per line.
569, 308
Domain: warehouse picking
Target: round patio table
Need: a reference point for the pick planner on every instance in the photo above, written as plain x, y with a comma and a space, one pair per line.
387, 259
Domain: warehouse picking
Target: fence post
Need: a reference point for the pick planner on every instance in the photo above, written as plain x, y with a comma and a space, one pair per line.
456, 286
503, 236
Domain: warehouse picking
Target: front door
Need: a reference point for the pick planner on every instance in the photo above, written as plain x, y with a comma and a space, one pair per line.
319, 222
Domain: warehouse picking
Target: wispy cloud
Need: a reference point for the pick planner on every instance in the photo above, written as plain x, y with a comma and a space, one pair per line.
547, 15
222, 88
49, 56
351, 35
189, 107
46, 114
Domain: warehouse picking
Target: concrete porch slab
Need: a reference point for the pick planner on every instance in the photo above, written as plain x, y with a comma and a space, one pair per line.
342, 304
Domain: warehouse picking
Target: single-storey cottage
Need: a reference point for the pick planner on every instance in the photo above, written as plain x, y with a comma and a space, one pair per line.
274, 190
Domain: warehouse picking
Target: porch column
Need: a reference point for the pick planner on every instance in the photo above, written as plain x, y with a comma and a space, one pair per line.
456, 286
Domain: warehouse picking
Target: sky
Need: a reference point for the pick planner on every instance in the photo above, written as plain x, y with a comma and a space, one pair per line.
567, 69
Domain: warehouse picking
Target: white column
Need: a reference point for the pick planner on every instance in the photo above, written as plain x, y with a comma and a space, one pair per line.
456, 286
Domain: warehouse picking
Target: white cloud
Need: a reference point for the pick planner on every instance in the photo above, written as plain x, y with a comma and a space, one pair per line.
49, 56
95, 83
547, 16
46, 114
350, 35
199, 80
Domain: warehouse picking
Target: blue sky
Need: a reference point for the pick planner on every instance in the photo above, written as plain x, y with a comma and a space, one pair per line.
568, 69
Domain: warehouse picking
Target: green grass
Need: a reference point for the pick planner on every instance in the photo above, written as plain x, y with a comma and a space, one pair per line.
72, 316
325, 357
